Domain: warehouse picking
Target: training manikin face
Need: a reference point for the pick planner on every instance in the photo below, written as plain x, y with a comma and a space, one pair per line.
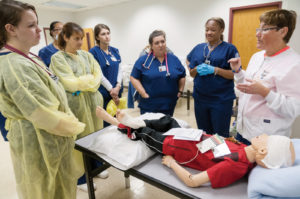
273, 151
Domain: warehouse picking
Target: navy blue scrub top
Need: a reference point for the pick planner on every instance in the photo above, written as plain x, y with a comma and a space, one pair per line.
110, 71
2, 124
162, 90
46, 53
2, 118
213, 88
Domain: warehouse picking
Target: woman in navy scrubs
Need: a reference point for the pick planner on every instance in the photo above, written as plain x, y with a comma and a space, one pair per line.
213, 79
109, 60
159, 77
46, 52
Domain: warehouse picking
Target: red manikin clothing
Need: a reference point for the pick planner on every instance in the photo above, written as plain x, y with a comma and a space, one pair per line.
221, 171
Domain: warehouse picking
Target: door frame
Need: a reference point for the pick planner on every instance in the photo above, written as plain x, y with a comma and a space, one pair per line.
277, 3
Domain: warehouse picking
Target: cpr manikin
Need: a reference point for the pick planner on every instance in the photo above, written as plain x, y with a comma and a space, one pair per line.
220, 171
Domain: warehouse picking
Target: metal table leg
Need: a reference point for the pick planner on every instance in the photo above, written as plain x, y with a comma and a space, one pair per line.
88, 175
188, 99
127, 180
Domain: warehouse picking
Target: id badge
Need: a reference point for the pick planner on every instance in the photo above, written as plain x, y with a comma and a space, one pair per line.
210, 143
113, 58
162, 68
206, 145
221, 150
264, 74
55, 78
207, 61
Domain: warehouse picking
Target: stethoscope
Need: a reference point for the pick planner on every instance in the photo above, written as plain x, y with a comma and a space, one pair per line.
110, 54
153, 57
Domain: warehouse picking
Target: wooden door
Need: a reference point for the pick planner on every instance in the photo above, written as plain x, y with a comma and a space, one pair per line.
88, 39
244, 23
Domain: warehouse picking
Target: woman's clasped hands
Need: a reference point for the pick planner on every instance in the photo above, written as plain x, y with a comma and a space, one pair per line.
205, 69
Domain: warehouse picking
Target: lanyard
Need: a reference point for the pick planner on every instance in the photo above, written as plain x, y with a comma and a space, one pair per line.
168, 73
209, 50
26, 56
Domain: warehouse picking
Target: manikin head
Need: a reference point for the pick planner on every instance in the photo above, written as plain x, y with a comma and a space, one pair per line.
273, 151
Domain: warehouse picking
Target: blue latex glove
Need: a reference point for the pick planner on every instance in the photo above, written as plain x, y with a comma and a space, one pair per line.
205, 69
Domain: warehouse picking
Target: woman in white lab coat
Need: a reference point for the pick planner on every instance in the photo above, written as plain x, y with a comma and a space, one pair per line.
270, 95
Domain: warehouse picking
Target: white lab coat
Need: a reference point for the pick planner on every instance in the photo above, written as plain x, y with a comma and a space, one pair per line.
275, 113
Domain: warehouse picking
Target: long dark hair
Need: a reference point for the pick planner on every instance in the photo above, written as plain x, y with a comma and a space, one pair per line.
11, 13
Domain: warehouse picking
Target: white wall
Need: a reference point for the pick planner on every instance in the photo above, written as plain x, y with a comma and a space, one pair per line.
183, 21
295, 40
45, 17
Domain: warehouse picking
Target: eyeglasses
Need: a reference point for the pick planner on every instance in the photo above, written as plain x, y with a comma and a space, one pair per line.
57, 30
264, 30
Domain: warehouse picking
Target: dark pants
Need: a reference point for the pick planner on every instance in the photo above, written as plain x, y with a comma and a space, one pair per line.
105, 102
152, 134
214, 118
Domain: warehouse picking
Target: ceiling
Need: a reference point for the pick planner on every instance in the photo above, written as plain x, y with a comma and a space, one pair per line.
73, 5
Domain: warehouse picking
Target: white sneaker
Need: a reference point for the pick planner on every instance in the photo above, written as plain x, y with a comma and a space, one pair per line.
104, 174
84, 187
